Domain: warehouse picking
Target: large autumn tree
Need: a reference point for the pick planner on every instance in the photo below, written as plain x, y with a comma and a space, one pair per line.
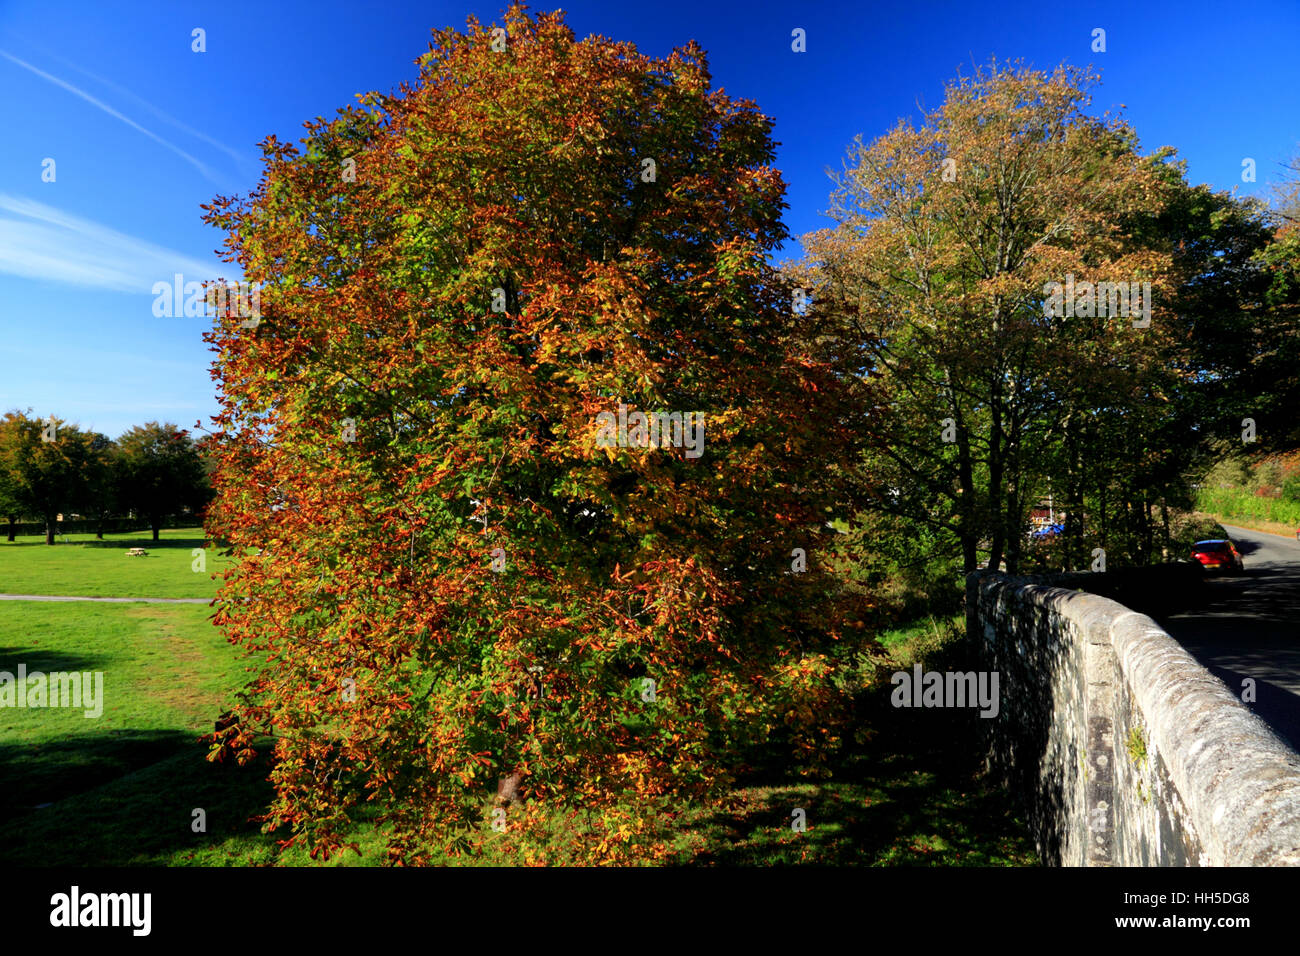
451, 579
931, 293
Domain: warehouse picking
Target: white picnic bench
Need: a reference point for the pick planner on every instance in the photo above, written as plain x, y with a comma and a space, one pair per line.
136, 553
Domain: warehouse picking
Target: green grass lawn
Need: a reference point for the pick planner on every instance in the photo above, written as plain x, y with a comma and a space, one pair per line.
1240, 506
122, 789
166, 673
86, 567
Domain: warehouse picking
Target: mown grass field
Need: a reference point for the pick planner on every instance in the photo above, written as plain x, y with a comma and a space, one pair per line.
85, 567
121, 789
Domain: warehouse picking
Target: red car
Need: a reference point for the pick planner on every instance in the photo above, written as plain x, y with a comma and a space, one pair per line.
1218, 555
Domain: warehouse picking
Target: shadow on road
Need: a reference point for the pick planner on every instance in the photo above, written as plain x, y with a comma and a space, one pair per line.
1247, 628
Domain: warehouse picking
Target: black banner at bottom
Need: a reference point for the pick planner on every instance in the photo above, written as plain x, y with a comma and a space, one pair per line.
332, 906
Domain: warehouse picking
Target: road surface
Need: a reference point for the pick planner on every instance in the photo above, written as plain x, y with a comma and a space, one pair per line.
1248, 626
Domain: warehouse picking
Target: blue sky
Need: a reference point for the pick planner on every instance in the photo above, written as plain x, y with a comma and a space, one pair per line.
142, 130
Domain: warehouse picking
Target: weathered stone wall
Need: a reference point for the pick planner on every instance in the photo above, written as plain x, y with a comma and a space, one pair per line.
1123, 749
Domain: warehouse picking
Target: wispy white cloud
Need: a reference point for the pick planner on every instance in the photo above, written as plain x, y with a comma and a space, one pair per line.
40, 242
139, 101
199, 165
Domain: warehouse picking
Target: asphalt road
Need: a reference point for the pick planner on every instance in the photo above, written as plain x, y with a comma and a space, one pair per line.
1248, 626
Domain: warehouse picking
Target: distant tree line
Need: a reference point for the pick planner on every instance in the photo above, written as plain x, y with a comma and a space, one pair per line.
50, 468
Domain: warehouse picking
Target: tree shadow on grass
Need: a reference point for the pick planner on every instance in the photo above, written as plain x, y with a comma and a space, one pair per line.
143, 815
167, 544
912, 793
42, 770
913, 796
103, 797
47, 771
119, 543
44, 660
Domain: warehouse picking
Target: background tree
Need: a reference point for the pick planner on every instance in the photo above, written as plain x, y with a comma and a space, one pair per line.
103, 482
457, 583
1153, 446
1273, 374
159, 472
11, 505
930, 293
49, 463
1251, 357
202, 492
1285, 198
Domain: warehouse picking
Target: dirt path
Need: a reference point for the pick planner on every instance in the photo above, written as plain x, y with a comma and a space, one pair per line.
110, 600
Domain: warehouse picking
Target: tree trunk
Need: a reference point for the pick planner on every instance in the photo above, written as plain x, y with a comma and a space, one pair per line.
969, 558
996, 506
997, 475
12, 522
49, 531
155, 524
1148, 538
1164, 524
1072, 532
1104, 523
508, 788
966, 503
1015, 534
